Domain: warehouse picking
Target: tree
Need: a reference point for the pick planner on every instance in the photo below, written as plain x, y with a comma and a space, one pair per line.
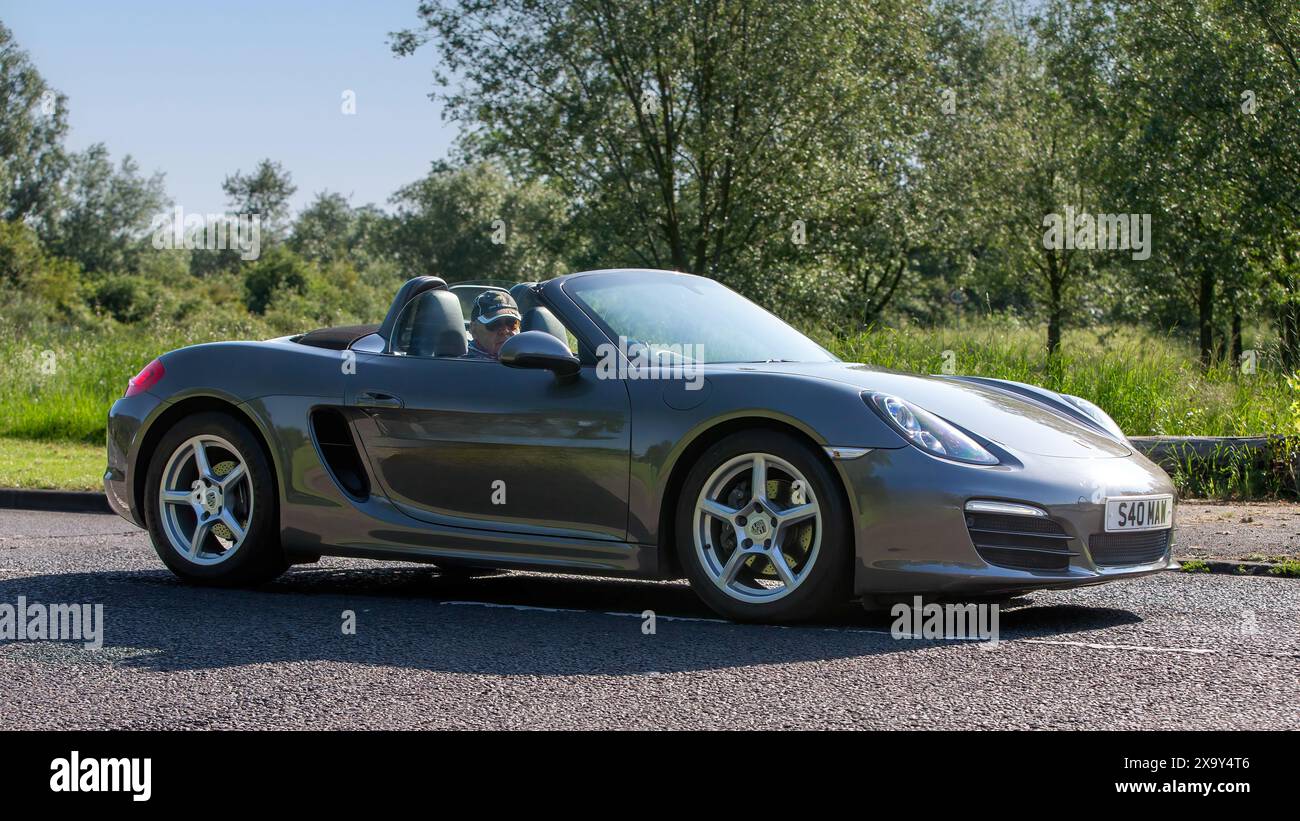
474, 222
33, 123
1034, 154
324, 229
104, 212
965, 205
691, 134
1212, 90
330, 229
265, 192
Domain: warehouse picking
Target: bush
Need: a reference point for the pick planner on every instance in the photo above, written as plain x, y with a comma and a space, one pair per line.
53, 281
278, 269
127, 297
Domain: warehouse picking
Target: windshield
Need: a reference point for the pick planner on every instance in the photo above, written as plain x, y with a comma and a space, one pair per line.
690, 316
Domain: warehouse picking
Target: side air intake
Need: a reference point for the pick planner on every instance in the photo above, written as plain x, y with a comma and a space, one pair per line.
334, 438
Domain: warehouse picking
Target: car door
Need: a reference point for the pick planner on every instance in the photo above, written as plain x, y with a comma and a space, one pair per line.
474, 443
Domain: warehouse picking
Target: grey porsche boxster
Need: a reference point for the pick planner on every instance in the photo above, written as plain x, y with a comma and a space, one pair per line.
642, 423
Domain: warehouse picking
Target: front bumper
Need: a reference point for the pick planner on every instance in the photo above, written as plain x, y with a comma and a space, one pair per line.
911, 528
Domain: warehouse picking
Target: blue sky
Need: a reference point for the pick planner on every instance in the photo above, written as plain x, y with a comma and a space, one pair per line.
200, 90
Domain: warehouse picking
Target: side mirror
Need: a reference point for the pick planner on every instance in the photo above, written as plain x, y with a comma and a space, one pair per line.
538, 349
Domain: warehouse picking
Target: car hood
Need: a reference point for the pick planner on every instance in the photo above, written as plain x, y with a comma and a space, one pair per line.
1016, 423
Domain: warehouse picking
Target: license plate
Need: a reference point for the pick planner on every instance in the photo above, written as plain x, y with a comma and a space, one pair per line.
1134, 513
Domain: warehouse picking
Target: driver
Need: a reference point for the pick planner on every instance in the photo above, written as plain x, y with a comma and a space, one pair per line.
493, 319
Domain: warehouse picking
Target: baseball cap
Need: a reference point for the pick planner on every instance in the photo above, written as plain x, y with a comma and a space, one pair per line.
492, 305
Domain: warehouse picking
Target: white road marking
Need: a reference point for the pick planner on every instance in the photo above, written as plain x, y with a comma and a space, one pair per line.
49, 537
1199, 651
665, 618
516, 607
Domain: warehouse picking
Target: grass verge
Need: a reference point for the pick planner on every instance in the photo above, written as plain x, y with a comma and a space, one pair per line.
26, 463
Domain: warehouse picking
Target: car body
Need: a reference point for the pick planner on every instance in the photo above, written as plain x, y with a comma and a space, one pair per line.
590, 461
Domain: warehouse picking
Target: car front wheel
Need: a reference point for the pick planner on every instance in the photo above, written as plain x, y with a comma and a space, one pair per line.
762, 530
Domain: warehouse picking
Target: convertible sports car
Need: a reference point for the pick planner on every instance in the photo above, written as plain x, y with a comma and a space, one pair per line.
643, 423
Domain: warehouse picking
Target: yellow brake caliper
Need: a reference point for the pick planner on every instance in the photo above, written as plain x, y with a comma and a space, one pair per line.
219, 529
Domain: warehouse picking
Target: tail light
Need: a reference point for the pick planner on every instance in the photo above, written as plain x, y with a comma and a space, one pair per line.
146, 378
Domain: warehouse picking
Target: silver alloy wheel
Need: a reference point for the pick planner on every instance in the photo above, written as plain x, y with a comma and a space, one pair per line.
206, 507
741, 504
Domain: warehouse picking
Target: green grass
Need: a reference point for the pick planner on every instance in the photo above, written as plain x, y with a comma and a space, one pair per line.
1234, 473
58, 386
25, 463
1149, 383
1195, 566
1288, 569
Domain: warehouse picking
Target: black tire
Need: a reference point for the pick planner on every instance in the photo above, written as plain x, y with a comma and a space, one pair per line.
828, 584
259, 557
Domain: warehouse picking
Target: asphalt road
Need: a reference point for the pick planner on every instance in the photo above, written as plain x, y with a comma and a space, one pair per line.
543, 651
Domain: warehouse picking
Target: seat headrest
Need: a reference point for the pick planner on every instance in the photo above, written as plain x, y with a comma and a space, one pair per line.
535, 315
412, 288
541, 319
438, 326
525, 297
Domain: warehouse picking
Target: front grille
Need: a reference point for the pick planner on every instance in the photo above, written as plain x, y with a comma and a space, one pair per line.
1019, 542
1113, 549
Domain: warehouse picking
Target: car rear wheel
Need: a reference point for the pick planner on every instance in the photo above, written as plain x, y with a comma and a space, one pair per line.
211, 503
762, 531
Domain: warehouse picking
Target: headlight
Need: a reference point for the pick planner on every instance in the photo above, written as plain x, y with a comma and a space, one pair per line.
1096, 414
930, 433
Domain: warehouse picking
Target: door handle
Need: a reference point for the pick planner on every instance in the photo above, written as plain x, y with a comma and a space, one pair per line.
375, 399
